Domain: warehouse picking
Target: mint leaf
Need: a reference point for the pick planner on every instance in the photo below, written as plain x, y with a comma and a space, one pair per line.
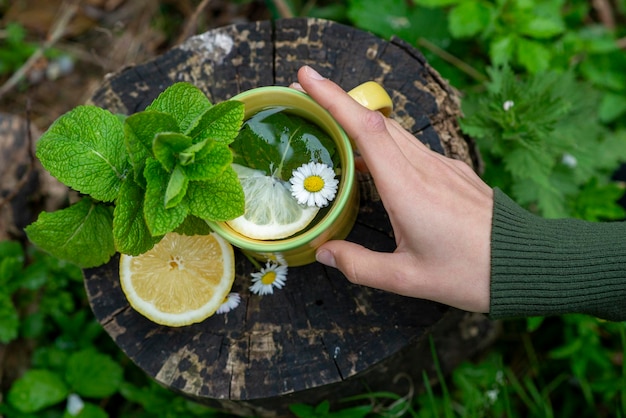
210, 162
278, 143
193, 226
130, 232
221, 122
37, 390
81, 233
176, 187
140, 130
167, 146
183, 101
92, 374
84, 149
220, 199
160, 220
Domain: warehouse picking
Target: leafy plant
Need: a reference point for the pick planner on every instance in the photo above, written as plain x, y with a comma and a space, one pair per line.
512, 32
542, 142
553, 147
164, 169
74, 369
323, 411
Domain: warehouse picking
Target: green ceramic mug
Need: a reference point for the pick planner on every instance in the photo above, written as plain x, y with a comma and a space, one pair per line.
300, 249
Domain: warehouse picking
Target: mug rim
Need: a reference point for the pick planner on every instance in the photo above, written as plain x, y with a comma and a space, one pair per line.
337, 205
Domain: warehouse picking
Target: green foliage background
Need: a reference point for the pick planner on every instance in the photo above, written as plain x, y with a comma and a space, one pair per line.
544, 95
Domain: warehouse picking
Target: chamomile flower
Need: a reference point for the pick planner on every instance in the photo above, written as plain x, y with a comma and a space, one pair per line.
271, 276
231, 301
314, 184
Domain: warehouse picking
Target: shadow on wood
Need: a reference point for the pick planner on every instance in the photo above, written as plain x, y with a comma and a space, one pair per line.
320, 337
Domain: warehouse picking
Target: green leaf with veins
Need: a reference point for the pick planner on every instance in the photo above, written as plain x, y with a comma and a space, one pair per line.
221, 123
160, 220
36, 390
220, 199
210, 162
140, 130
81, 233
94, 152
193, 226
130, 231
176, 187
167, 147
184, 101
93, 374
84, 149
277, 143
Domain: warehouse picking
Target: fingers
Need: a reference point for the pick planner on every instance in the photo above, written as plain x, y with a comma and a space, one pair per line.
363, 266
366, 128
356, 262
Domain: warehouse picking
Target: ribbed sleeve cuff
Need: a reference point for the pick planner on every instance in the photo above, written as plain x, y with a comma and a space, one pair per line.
555, 266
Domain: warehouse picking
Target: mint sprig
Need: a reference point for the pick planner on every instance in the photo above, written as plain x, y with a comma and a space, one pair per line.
167, 168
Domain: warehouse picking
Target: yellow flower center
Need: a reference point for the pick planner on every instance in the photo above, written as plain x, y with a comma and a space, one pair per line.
313, 184
268, 278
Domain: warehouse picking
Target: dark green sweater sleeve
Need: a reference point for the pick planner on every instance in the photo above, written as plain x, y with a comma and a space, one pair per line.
555, 266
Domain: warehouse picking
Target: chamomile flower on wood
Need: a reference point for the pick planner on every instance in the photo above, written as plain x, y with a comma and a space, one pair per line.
231, 301
269, 277
314, 184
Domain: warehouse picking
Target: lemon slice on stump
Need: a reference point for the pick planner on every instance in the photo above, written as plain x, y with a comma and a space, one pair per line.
181, 280
271, 211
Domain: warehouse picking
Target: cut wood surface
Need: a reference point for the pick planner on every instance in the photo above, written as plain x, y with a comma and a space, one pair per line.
320, 337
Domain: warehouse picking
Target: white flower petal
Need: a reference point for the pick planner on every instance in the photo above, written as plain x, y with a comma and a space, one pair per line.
280, 278
320, 198
232, 301
75, 404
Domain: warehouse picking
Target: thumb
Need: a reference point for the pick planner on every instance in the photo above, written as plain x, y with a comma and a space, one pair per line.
360, 265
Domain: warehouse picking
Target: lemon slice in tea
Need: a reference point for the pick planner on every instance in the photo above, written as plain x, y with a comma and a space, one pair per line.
181, 280
271, 211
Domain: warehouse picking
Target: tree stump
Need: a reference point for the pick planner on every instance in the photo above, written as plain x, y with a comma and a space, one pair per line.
319, 338
25, 187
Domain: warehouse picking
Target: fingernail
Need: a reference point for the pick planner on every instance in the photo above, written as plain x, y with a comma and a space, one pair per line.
313, 74
326, 257
296, 86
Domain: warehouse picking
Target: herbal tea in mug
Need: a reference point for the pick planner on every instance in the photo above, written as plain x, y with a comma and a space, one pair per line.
296, 166
287, 166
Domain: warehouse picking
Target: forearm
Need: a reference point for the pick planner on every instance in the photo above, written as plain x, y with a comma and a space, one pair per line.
547, 266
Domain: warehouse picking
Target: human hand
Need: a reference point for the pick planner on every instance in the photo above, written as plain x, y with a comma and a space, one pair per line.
440, 210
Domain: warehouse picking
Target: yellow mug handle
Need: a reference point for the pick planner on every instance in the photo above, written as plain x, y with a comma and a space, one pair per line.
373, 96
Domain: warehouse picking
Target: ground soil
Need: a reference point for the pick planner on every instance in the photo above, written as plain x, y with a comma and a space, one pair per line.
102, 36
